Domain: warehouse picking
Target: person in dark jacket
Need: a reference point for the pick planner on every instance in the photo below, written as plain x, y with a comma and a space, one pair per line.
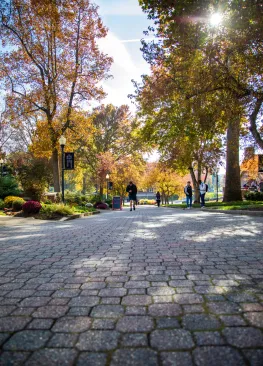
158, 198
132, 190
189, 195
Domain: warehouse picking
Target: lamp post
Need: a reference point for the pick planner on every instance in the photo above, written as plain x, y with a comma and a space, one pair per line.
107, 182
1, 162
62, 142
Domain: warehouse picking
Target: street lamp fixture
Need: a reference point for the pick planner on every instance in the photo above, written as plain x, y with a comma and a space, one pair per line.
62, 141
107, 182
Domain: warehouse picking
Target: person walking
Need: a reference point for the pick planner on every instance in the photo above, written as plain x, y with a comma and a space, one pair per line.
132, 190
158, 198
189, 195
203, 189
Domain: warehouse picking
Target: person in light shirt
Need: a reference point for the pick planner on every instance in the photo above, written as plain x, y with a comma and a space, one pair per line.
203, 190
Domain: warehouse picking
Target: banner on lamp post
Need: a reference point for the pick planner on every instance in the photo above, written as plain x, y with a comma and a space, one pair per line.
69, 161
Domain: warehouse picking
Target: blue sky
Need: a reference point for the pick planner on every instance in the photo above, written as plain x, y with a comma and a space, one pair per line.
125, 22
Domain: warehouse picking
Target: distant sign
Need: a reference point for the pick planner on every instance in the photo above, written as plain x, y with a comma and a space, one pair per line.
260, 163
116, 203
69, 161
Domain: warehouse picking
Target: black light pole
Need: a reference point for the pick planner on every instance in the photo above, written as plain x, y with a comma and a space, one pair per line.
107, 181
62, 142
217, 185
1, 162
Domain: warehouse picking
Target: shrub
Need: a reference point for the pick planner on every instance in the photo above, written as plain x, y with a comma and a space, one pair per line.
254, 196
75, 198
31, 207
8, 186
2, 204
54, 210
8, 201
17, 204
101, 205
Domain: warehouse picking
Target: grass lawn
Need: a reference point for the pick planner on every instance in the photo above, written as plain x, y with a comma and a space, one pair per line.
236, 205
2, 213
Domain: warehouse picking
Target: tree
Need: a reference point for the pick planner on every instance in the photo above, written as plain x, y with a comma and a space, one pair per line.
188, 132
230, 54
115, 137
162, 179
51, 61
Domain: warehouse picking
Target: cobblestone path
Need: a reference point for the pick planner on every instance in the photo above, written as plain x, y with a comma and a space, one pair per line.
150, 287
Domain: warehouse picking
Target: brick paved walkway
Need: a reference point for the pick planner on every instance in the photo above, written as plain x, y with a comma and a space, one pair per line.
150, 287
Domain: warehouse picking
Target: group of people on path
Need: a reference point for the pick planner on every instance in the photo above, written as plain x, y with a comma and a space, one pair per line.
188, 190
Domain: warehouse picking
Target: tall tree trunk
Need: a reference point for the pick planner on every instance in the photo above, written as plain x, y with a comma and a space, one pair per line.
233, 183
101, 189
195, 186
84, 184
55, 168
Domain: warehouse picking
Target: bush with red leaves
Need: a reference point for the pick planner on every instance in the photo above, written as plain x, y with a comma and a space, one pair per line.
101, 206
31, 207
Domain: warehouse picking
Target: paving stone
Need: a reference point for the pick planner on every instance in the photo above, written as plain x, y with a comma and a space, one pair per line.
27, 340
107, 311
166, 323
53, 357
200, 322
98, 340
72, 324
59, 301
159, 291
50, 312
40, 324
136, 291
135, 310
13, 358
181, 283
79, 311
232, 320
213, 298
110, 300
112, 292
92, 359
252, 307
164, 310
35, 301
137, 284
23, 311
3, 337
243, 337
103, 324
208, 338
93, 286
176, 358
135, 324
63, 340
188, 299
217, 356
196, 308
255, 319
176, 339
136, 300
84, 301
66, 293
244, 297
134, 357
134, 340
6, 310
224, 307
13, 324
254, 356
